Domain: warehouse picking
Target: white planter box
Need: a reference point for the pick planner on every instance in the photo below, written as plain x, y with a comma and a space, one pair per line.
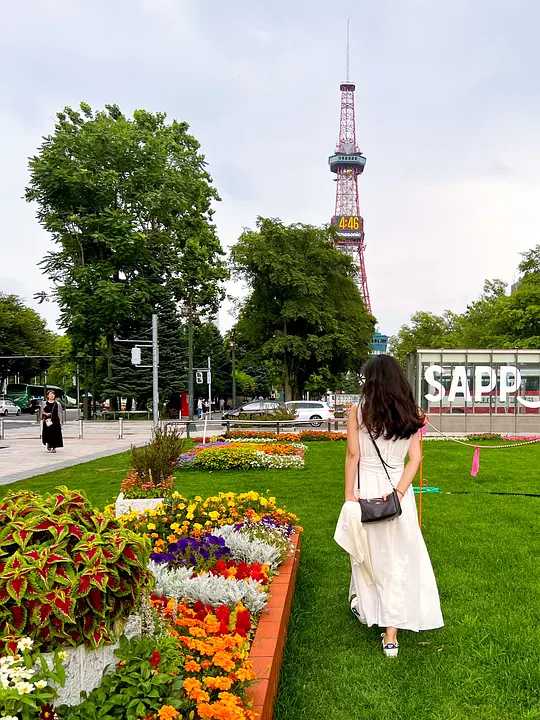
85, 667
124, 505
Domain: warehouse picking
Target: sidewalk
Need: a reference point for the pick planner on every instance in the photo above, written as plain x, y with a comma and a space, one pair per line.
22, 454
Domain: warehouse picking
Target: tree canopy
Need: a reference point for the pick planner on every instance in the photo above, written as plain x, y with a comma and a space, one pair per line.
22, 332
495, 320
128, 204
303, 317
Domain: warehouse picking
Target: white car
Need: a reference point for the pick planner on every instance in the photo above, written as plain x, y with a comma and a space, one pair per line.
315, 410
8, 407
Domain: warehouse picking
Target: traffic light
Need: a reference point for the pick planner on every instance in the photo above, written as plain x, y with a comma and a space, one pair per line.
135, 355
198, 377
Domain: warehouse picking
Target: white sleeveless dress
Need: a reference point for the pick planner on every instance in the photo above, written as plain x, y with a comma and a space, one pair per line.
404, 592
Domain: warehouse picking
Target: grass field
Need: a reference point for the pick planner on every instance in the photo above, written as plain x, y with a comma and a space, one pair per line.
483, 665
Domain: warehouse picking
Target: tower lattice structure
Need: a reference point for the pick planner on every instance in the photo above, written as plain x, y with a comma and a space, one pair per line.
348, 163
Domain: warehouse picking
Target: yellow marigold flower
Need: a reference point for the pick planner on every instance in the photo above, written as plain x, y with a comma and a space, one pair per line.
151, 526
197, 526
198, 498
213, 515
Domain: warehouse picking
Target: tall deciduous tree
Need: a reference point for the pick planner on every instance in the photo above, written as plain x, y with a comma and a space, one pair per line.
304, 313
128, 204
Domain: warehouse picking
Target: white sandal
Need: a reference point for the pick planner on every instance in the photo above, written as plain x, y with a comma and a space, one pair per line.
389, 649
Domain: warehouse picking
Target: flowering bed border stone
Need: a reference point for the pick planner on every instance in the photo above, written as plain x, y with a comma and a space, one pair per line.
266, 652
124, 505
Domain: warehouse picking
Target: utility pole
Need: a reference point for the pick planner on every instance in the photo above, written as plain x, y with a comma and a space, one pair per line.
78, 392
155, 370
233, 358
190, 368
209, 379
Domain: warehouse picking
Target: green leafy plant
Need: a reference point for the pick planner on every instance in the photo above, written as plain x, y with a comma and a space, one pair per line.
69, 573
152, 465
24, 681
148, 675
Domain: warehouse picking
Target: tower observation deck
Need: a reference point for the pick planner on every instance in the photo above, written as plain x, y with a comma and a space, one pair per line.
348, 163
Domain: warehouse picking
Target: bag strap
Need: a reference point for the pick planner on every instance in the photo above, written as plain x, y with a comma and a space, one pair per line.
383, 461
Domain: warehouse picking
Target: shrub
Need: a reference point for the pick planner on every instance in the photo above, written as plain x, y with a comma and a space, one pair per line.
69, 574
153, 465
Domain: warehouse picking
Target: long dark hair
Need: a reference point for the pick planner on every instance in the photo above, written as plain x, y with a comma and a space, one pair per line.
388, 406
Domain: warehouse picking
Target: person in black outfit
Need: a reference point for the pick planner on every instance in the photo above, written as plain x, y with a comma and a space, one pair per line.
51, 433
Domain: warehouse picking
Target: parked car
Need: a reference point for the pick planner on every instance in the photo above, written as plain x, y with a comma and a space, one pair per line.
254, 407
315, 410
8, 407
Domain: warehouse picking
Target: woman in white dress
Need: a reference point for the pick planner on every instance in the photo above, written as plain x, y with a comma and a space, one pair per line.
401, 592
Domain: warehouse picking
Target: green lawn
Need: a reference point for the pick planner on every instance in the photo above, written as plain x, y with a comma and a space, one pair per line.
483, 665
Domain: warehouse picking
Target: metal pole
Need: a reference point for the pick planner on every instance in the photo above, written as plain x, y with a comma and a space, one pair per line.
121, 428
233, 348
209, 379
81, 429
190, 369
155, 371
2, 430
78, 392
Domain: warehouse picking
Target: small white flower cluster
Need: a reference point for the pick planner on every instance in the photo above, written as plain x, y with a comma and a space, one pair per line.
210, 589
247, 550
277, 462
14, 675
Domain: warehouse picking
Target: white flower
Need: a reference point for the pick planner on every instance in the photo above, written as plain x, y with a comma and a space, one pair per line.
25, 643
24, 688
9, 660
41, 684
9, 717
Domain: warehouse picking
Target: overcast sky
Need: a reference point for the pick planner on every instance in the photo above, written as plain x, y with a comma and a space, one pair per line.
448, 98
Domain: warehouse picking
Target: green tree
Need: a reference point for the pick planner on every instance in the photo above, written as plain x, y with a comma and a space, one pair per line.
495, 319
22, 332
128, 205
303, 312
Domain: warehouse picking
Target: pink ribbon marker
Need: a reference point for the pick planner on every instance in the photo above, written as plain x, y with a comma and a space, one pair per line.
475, 467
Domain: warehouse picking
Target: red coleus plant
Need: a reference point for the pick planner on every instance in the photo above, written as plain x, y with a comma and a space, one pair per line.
68, 573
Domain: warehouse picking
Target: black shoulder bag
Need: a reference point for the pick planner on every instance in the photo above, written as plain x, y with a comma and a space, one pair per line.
375, 509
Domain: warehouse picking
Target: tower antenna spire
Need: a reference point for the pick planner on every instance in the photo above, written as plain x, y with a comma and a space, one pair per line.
347, 62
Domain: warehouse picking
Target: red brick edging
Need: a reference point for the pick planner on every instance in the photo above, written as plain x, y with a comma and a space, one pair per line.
269, 641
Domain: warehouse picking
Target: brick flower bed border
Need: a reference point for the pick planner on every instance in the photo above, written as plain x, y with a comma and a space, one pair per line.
267, 648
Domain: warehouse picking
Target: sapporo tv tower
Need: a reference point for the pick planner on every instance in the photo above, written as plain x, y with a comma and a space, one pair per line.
348, 163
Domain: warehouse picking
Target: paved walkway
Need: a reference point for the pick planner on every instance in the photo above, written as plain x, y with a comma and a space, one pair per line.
22, 454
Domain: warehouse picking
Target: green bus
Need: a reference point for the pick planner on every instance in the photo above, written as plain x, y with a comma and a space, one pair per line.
29, 397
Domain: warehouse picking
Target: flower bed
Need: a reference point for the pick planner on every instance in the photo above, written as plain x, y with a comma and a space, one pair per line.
304, 436
214, 562
233, 455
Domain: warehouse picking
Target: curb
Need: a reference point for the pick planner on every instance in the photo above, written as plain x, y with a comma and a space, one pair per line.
268, 644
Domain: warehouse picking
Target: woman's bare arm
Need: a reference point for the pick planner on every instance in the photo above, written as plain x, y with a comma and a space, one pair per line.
353, 453
411, 468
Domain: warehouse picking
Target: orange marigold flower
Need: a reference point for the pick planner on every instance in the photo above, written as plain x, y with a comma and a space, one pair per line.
192, 666
191, 684
167, 712
223, 659
218, 682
